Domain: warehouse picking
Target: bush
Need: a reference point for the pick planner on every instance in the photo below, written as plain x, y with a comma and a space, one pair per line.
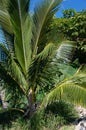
53, 116
62, 109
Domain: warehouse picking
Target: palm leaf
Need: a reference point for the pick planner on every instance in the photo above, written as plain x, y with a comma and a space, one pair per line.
14, 91
46, 52
16, 73
38, 60
43, 14
11, 74
4, 16
45, 69
5, 21
21, 24
66, 51
71, 90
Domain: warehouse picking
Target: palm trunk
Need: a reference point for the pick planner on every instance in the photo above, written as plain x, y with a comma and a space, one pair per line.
32, 103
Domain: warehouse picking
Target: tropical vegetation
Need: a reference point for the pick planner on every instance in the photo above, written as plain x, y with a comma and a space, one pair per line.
73, 26
38, 68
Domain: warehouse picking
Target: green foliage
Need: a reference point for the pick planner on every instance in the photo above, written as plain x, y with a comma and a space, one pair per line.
71, 89
74, 28
29, 50
69, 13
62, 109
37, 121
32, 54
64, 71
54, 116
81, 51
8, 116
19, 124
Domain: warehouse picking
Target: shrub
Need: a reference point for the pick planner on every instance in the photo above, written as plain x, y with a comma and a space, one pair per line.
53, 116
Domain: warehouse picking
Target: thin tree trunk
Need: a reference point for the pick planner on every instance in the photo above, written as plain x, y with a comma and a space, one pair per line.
32, 103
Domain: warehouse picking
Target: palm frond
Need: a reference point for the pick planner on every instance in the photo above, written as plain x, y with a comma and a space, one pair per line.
4, 16
21, 25
42, 17
66, 51
16, 73
41, 64
10, 86
12, 79
47, 51
71, 90
39, 61
44, 70
5, 22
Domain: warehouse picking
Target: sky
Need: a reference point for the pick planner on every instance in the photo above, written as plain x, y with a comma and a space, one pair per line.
78, 5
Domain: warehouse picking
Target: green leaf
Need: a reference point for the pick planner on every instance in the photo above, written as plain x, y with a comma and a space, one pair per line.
43, 14
66, 51
21, 24
71, 90
5, 22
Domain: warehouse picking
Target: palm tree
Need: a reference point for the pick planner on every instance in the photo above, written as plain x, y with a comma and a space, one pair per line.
30, 52
27, 47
